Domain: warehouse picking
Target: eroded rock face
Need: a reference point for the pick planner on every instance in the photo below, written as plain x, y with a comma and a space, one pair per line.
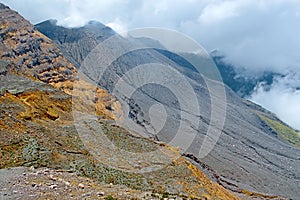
31, 51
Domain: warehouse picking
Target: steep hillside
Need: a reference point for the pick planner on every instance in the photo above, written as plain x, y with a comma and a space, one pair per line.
249, 155
37, 130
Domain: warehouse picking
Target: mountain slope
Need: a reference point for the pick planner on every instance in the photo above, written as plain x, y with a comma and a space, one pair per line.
37, 126
249, 154
75, 42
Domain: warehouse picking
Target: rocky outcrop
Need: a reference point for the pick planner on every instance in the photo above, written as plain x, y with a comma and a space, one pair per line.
31, 51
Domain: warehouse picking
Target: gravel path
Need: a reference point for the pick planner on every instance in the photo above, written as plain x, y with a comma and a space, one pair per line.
29, 183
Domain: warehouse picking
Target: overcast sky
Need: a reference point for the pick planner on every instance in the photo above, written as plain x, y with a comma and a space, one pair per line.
255, 34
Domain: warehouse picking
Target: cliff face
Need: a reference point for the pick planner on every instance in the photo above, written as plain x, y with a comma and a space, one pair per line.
32, 52
37, 127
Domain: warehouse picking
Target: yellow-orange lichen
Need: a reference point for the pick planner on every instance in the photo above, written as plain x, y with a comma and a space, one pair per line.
204, 186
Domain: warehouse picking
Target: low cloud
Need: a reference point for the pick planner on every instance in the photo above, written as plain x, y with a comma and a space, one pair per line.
282, 97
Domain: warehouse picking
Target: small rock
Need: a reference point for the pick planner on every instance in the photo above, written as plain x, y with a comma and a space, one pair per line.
86, 195
33, 185
53, 186
52, 178
100, 194
80, 185
31, 168
67, 183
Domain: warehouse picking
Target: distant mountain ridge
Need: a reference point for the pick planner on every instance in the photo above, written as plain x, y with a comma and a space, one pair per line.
244, 85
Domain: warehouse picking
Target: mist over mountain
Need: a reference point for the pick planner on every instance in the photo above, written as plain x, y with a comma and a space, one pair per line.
264, 87
260, 35
282, 97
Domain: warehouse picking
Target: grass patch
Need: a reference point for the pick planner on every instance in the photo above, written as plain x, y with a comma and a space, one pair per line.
125, 140
109, 197
284, 132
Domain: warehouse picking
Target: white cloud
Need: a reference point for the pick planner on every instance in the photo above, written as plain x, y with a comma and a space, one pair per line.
283, 98
118, 26
213, 13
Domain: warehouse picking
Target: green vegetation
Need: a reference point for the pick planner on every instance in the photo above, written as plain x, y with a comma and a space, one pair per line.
31, 152
125, 140
284, 132
165, 195
109, 197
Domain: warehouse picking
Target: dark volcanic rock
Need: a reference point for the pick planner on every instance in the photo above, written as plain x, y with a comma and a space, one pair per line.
75, 43
2, 6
